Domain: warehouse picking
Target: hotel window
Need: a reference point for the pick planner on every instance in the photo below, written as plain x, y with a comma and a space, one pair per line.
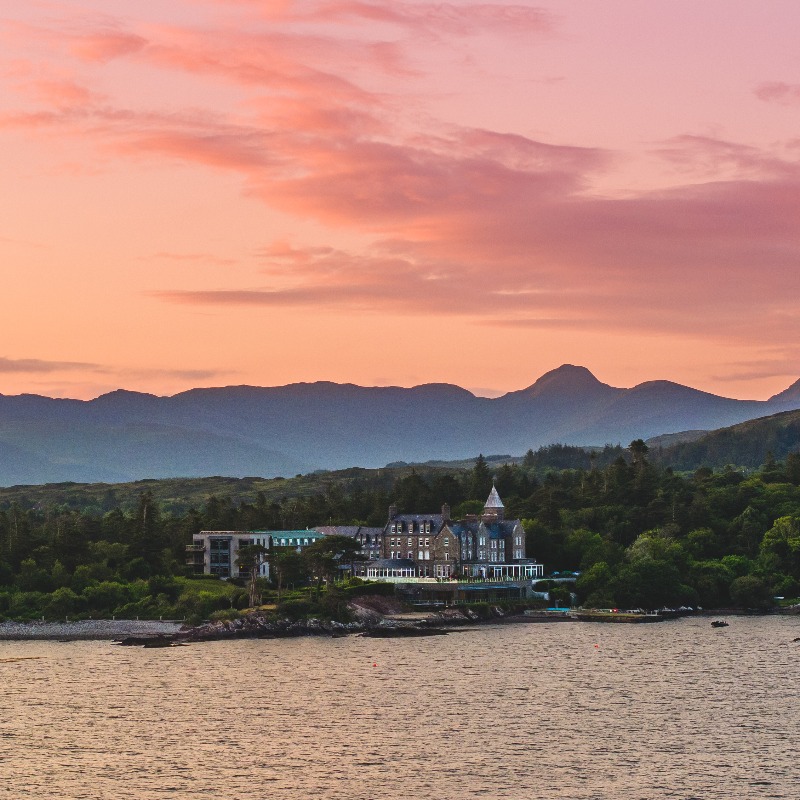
482, 540
410, 541
394, 528
427, 543
494, 544
446, 542
420, 556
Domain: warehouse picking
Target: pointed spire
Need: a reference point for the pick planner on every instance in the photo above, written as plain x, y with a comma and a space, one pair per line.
494, 500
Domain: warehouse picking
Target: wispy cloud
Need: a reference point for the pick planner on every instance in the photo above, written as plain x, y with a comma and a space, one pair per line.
41, 366
461, 19
785, 94
34, 365
501, 228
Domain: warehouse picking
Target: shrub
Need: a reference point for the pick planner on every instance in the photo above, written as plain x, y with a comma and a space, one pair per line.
296, 609
751, 592
225, 615
26, 605
61, 603
366, 588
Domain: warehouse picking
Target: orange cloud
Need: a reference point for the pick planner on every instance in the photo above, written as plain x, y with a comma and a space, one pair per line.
498, 227
105, 45
461, 19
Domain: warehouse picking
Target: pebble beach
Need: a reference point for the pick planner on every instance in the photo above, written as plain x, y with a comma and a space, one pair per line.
86, 629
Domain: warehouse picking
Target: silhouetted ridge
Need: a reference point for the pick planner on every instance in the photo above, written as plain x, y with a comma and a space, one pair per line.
791, 394
566, 379
283, 430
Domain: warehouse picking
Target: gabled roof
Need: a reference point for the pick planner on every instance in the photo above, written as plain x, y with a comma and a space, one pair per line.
338, 530
348, 530
416, 518
436, 521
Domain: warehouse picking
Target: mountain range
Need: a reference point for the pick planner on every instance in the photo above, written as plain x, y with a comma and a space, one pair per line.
267, 431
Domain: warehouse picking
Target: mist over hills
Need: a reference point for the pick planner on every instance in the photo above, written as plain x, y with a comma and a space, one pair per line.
243, 431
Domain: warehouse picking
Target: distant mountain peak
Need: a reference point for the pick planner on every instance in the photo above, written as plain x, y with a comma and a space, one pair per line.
122, 395
790, 394
566, 379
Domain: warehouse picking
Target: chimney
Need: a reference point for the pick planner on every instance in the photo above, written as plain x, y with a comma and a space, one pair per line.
392, 511
445, 512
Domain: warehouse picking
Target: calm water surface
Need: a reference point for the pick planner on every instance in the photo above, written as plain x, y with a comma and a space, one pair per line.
675, 710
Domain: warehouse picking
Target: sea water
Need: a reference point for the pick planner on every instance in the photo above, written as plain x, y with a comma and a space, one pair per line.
544, 710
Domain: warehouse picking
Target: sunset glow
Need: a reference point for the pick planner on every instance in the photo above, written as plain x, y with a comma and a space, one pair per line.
202, 193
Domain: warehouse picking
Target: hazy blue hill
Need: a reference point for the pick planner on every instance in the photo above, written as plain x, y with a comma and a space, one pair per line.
53, 451
657, 407
549, 410
790, 395
18, 465
268, 431
336, 426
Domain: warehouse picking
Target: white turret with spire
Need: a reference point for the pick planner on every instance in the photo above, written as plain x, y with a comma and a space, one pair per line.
493, 508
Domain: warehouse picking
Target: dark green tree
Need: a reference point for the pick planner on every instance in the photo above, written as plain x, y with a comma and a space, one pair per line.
481, 479
324, 557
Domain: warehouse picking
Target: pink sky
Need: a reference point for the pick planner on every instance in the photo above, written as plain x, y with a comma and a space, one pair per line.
202, 193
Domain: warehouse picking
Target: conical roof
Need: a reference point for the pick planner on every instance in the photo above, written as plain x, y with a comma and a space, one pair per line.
494, 500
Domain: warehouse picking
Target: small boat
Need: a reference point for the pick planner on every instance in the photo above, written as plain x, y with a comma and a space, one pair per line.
719, 623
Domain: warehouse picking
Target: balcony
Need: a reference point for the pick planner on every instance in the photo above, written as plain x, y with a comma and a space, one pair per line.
195, 548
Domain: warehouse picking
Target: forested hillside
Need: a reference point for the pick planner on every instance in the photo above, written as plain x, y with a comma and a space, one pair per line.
640, 534
749, 444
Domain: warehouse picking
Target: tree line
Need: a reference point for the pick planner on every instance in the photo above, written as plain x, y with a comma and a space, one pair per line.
640, 534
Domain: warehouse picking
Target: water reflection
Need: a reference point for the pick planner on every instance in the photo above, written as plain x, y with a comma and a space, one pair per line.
676, 710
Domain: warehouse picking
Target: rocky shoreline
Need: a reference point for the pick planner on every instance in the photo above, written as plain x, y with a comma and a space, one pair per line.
156, 633
256, 626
